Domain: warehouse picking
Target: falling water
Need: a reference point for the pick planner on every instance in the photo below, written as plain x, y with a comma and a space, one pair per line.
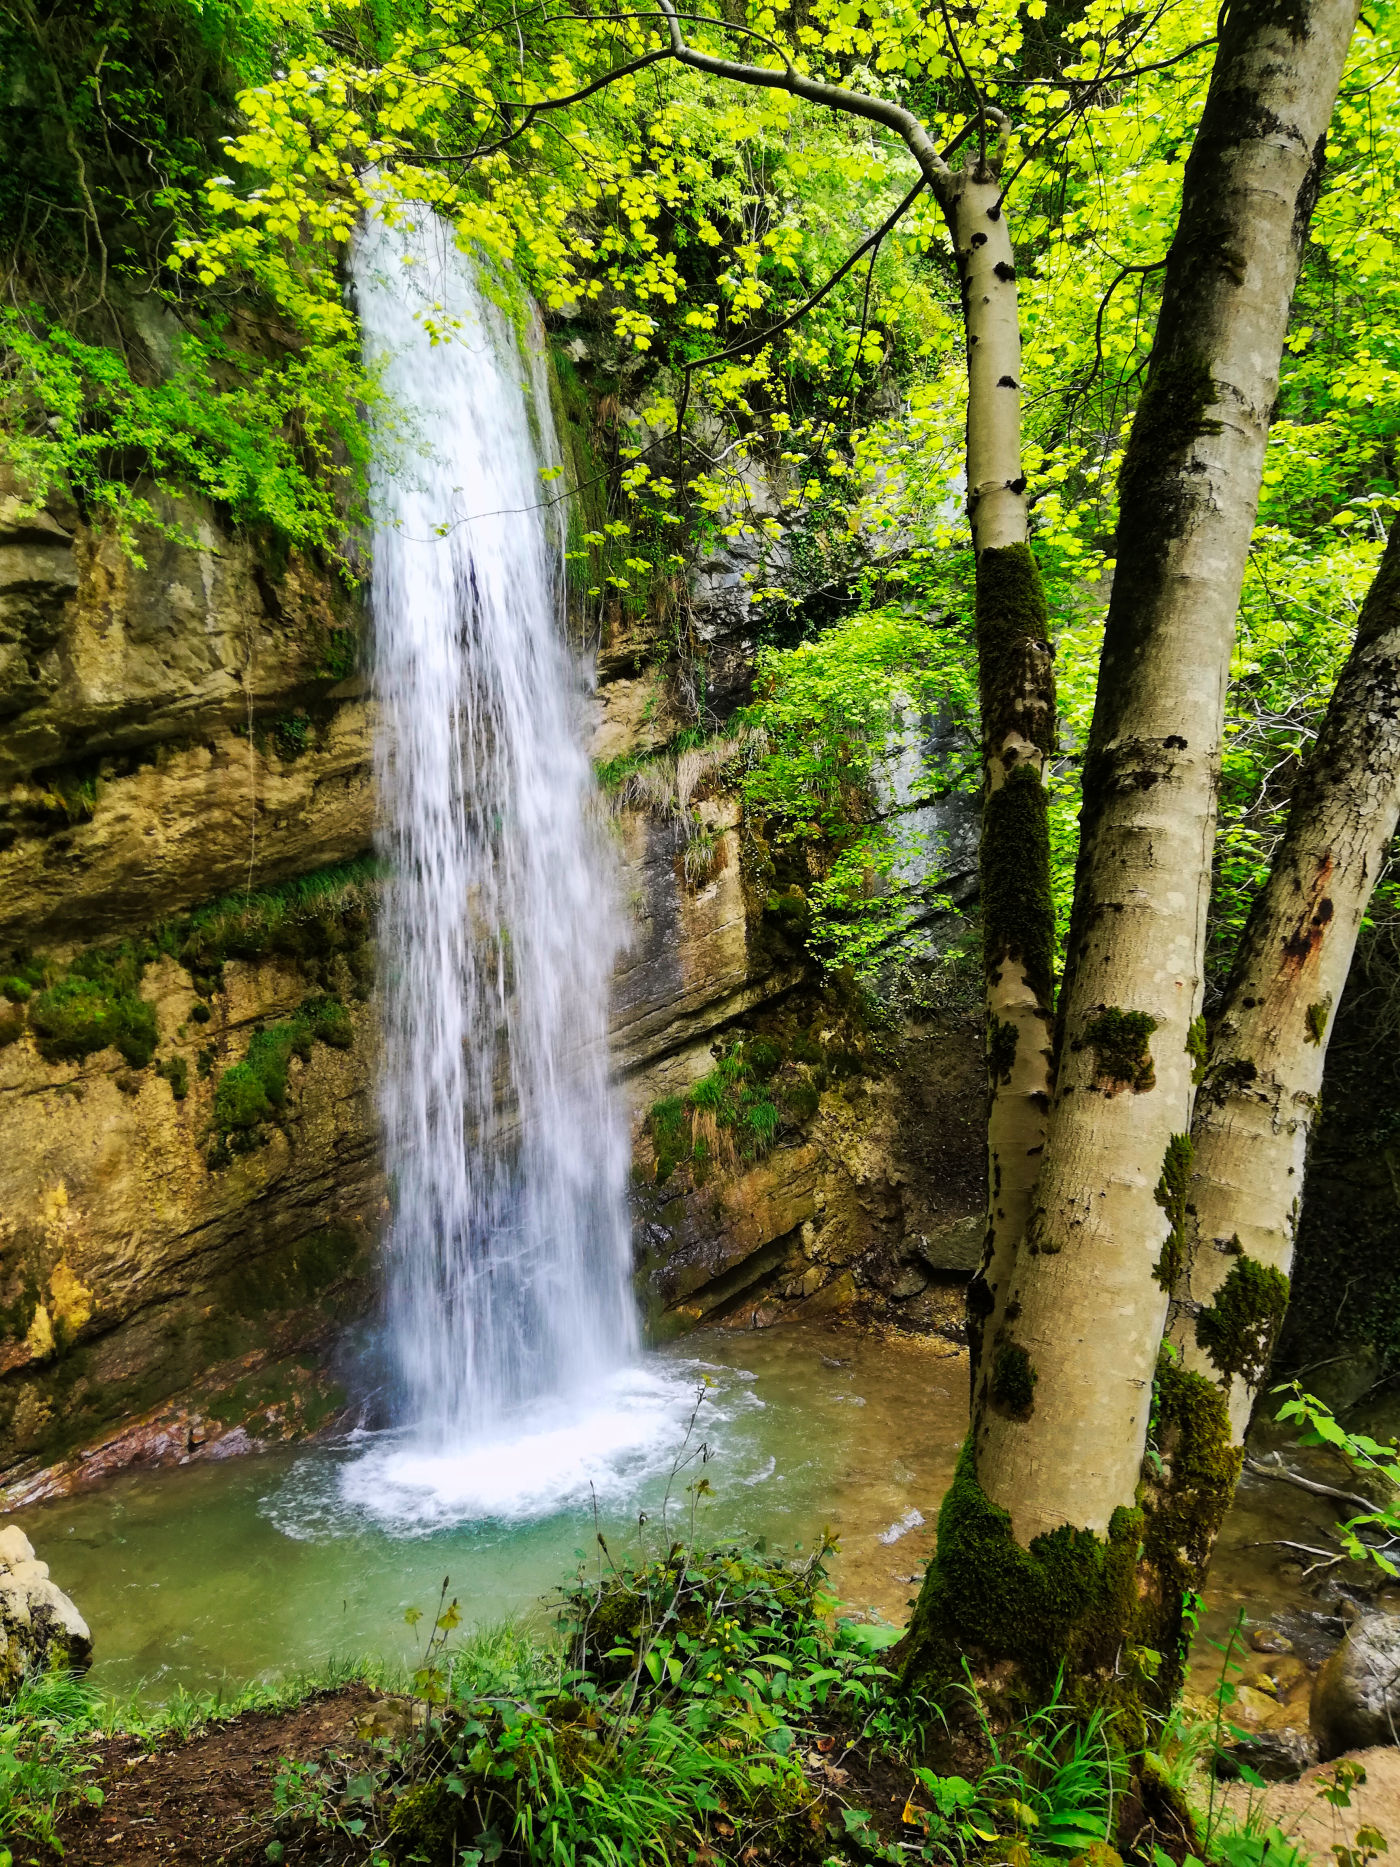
506, 1149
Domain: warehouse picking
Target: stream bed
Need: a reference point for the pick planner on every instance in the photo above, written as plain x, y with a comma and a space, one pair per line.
215, 1574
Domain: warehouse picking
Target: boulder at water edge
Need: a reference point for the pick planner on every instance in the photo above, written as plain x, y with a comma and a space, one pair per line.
1356, 1696
39, 1626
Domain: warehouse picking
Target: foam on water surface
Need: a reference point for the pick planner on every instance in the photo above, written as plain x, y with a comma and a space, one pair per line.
546, 1457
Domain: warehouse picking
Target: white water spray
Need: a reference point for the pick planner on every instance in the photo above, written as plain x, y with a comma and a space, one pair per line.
506, 1147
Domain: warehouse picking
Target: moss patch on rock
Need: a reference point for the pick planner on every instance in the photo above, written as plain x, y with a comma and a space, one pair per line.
761, 1082
78, 1016
250, 1094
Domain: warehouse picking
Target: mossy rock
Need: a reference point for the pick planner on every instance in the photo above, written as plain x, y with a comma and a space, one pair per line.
428, 1825
78, 1016
240, 1100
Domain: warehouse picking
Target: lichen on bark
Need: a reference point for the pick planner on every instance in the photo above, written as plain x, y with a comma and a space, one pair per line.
1002, 1039
1013, 1379
1013, 651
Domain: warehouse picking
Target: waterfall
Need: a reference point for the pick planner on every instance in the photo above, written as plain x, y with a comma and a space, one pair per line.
506, 1149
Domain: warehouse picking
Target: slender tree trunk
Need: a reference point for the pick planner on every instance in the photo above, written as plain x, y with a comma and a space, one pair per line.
1016, 677
1255, 1108
1042, 1534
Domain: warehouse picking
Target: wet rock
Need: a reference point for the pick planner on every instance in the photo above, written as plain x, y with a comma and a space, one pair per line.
1279, 1756
909, 1283
955, 1247
1356, 1696
1253, 1706
40, 1629
1269, 1640
1279, 1673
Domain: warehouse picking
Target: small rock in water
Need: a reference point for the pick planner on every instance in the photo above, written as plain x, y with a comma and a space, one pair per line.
1251, 1706
1269, 1640
909, 1283
39, 1626
909, 1521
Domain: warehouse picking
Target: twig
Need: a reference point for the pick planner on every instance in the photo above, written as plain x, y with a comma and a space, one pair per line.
1285, 1476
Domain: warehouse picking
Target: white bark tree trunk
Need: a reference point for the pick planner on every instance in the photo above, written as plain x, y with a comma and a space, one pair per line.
1017, 693
1255, 1108
1064, 1443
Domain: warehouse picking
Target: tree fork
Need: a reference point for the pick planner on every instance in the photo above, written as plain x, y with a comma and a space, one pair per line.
1052, 1477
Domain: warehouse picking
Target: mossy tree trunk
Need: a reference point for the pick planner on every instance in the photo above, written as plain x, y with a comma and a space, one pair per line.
1016, 680
1256, 1105
1050, 1549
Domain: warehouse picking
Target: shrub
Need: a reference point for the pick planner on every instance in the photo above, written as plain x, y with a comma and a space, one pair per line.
252, 1092
240, 1101
78, 1016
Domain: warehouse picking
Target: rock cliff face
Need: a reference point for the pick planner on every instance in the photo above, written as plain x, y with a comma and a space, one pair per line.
190, 1190
172, 733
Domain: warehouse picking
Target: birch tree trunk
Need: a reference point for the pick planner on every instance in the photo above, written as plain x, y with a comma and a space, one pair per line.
1041, 1537
1015, 665
1016, 680
1255, 1108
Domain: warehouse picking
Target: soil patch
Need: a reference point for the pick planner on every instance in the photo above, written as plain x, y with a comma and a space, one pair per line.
209, 1799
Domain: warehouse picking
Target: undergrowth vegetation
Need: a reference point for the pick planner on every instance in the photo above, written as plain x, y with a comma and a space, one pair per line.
251, 1094
762, 1082
322, 922
697, 1703
50, 1730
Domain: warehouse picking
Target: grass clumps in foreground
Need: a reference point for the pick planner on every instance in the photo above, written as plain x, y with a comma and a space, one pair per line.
697, 1708
667, 1723
46, 1763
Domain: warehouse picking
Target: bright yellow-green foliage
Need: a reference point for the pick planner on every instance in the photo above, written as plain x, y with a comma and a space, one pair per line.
118, 382
664, 216
843, 719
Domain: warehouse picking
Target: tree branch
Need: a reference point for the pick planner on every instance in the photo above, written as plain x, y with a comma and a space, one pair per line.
1352, 1499
854, 103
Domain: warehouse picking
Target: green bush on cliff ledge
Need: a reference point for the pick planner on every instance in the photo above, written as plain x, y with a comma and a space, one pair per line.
251, 1093
78, 1016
